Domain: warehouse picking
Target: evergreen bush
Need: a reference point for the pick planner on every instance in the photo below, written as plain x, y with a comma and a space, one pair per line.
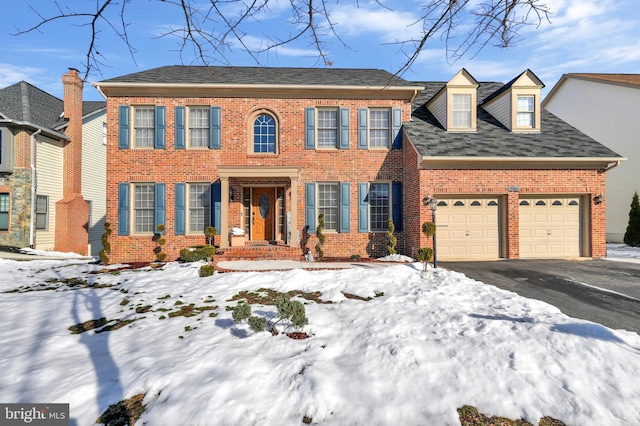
207, 270
426, 253
391, 239
257, 323
632, 235
210, 232
241, 312
106, 246
321, 237
197, 253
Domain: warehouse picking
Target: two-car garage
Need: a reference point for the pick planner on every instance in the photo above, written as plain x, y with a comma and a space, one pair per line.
475, 228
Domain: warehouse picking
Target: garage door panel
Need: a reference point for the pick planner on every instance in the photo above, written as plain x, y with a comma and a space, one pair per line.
472, 231
549, 227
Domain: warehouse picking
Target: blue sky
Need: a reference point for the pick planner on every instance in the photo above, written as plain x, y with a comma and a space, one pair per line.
598, 36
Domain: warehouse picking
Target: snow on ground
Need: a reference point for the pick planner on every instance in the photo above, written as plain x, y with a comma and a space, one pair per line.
430, 344
623, 253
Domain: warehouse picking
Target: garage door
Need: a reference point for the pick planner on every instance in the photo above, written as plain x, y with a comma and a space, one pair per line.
468, 229
549, 227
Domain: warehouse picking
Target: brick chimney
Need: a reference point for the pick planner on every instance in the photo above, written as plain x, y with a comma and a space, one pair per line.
72, 212
73, 150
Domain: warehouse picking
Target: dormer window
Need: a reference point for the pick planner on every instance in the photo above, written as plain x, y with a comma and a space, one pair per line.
461, 111
525, 113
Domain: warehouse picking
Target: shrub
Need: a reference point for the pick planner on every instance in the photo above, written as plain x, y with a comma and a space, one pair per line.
241, 312
160, 241
391, 239
632, 235
291, 310
194, 254
355, 257
210, 232
321, 237
424, 255
207, 270
257, 323
106, 246
428, 229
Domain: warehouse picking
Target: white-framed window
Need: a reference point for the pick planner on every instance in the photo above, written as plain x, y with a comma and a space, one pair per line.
144, 126
90, 218
199, 127
379, 206
379, 128
199, 201
4, 211
42, 212
144, 207
461, 111
265, 133
104, 133
525, 112
327, 128
328, 204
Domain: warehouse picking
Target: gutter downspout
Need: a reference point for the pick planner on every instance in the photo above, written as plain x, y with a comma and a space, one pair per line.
33, 187
612, 166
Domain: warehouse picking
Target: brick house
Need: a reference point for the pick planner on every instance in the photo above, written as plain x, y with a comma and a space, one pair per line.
46, 145
266, 150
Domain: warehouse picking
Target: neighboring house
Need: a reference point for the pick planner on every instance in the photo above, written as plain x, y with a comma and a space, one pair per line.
606, 107
269, 149
47, 146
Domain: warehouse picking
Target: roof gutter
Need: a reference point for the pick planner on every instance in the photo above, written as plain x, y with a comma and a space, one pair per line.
33, 187
613, 165
468, 162
39, 129
250, 86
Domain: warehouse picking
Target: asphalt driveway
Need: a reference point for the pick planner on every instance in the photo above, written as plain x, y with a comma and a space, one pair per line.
602, 291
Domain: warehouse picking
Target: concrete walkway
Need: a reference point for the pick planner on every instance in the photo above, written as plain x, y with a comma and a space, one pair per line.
24, 256
285, 265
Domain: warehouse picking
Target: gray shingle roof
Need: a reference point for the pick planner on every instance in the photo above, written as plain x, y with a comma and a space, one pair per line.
557, 139
26, 103
185, 74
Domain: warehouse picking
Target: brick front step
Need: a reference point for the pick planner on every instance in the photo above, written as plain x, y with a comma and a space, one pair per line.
254, 251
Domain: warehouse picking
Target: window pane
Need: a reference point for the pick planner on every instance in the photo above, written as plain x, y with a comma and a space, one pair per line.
524, 117
144, 126
328, 204
379, 206
144, 208
42, 207
327, 128
199, 127
264, 134
379, 128
198, 207
461, 111
4, 212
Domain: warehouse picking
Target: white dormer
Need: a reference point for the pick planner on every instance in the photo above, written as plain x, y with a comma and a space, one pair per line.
517, 104
454, 106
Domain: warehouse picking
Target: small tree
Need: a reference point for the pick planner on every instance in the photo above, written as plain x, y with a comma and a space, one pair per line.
321, 237
210, 232
632, 236
391, 239
106, 246
160, 241
287, 310
426, 253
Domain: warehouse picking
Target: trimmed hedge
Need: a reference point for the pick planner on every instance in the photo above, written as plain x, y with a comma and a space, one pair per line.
194, 254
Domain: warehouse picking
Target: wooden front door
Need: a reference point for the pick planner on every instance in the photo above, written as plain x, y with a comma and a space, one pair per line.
262, 213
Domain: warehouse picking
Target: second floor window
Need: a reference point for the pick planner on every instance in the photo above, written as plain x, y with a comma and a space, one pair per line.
525, 112
144, 206
144, 126
199, 127
327, 128
379, 128
264, 134
461, 111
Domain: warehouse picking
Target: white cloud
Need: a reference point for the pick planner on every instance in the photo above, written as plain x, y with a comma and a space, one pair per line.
11, 74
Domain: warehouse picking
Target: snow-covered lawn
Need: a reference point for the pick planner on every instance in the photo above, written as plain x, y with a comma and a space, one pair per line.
411, 356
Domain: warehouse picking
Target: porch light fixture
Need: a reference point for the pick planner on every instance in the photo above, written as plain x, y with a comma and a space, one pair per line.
432, 203
230, 194
598, 199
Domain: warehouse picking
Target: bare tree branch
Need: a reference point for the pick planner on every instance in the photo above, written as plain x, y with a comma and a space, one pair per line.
214, 28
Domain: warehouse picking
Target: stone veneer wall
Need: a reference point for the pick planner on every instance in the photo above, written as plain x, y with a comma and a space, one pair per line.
18, 185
